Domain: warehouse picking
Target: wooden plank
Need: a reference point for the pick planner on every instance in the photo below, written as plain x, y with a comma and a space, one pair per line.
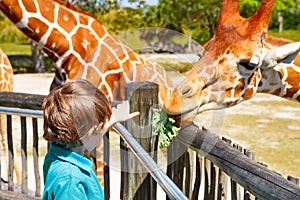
106, 166
9, 195
293, 179
24, 155
176, 159
153, 154
26, 100
21, 100
257, 179
251, 155
235, 188
188, 172
196, 188
124, 169
10, 154
212, 180
206, 166
36, 157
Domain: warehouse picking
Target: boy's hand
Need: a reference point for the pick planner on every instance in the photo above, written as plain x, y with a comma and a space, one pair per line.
121, 114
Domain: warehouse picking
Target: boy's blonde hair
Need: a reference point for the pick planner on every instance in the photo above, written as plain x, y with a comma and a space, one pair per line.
72, 110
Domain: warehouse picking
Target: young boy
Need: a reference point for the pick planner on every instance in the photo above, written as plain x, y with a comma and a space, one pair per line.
76, 115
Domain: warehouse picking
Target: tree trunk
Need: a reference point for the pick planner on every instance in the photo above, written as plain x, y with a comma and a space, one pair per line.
190, 39
37, 58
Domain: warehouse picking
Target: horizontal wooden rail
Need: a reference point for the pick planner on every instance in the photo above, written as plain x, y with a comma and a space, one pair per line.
21, 100
25, 100
257, 179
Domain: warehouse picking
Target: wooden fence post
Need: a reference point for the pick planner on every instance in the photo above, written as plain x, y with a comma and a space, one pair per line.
136, 183
36, 157
10, 154
24, 155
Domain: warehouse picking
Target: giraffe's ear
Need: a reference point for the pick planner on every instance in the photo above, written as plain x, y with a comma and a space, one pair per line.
286, 53
282, 54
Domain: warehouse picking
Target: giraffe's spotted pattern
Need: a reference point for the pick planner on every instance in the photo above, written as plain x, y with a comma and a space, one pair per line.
6, 73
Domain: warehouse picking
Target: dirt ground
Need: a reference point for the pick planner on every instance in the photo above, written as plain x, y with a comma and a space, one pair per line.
33, 83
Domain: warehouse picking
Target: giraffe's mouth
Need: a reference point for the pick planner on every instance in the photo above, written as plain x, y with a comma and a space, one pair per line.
186, 118
190, 116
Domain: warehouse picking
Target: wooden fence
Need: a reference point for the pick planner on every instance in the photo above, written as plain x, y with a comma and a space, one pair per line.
201, 172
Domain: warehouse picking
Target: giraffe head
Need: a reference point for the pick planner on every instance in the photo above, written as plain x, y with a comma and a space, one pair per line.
229, 71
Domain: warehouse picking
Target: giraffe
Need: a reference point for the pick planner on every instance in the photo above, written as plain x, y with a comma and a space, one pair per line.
283, 79
238, 61
6, 85
81, 47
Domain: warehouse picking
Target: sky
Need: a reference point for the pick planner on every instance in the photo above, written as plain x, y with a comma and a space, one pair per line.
124, 3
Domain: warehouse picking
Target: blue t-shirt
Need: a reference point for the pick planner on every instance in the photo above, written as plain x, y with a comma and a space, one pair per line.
68, 175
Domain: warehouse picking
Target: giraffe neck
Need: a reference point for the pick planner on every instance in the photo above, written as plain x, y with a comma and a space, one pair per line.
82, 47
58, 30
6, 72
283, 80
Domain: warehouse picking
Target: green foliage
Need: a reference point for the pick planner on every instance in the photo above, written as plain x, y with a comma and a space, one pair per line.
198, 18
164, 128
16, 49
9, 32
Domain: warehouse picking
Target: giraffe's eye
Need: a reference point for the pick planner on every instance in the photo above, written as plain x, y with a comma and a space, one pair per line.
247, 66
186, 91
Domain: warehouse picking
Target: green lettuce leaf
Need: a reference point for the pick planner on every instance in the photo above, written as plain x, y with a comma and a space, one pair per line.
164, 127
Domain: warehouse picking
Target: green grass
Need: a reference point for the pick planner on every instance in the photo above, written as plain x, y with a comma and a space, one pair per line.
16, 49
293, 35
20, 58
268, 133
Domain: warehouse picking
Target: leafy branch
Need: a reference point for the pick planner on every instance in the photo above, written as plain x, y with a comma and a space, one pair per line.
164, 127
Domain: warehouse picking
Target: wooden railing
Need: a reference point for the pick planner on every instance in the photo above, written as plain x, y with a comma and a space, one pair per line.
17, 104
208, 167
254, 177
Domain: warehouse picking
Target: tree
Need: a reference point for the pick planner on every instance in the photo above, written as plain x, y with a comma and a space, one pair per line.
37, 56
197, 18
